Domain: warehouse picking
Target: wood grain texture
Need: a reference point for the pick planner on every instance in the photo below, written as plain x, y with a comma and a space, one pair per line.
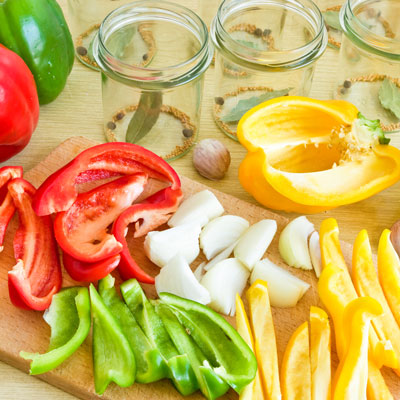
78, 111
26, 330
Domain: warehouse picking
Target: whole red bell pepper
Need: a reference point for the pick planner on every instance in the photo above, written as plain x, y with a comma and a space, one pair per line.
19, 104
7, 208
36, 276
97, 162
82, 230
147, 216
89, 272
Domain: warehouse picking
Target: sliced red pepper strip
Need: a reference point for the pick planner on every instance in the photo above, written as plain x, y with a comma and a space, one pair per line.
153, 212
36, 276
89, 272
7, 208
82, 230
102, 161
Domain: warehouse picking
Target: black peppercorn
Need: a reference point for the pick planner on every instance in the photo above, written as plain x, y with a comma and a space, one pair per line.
347, 84
219, 100
145, 57
343, 90
258, 32
82, 51
267, 32
119, 116
187, 132
111, 125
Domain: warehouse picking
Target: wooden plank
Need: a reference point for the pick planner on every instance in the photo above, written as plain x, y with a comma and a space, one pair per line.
26, 330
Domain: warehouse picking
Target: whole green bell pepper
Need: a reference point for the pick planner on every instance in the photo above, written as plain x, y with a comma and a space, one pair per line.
181, 372
69, 319
36, 30
113, 358
150, 366
228, 354
211, 385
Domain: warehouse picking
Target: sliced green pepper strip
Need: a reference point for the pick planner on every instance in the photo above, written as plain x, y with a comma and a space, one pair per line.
69, 319
113, 358
181, 372
150, 366
227, 352
211, 385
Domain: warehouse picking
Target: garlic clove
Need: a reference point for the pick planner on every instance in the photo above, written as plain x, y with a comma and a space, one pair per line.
315, 253
200, 208
293, 243
211, 159
284, 289
177, 278
161, 246
221, 233
255, 241
223, 281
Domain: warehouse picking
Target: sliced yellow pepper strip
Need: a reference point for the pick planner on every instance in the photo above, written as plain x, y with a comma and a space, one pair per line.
320, 354
389, 273
262, 327
296, 371
351, 378
366, 283
337, 291
376, 387
254, 390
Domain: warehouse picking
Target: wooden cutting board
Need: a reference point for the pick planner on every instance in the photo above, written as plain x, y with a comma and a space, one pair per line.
26, 330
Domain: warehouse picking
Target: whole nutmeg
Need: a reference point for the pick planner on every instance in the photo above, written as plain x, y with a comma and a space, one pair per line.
395, 236
211, 158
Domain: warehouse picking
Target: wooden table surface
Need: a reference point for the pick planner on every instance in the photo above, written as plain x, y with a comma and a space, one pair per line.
78, 112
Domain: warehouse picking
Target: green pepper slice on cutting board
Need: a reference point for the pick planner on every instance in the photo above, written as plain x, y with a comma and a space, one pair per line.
69, 319
150, 365
113, 358
228, 354
36, 30
211, 385
181, 372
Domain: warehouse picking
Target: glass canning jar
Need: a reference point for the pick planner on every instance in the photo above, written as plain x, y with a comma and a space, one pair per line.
152, 56
330, 11
265, 49
84, 19
369, 64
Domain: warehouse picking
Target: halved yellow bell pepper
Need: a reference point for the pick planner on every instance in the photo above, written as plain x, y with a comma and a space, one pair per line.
263, 330
296, 371
320, 354
313, 154
389, 273
351, 377
366, 283
254, 390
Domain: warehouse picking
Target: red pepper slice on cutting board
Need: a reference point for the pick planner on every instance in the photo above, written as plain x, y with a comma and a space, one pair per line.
89, 272
146, 216
82, 230
36, 276
7, 208
58, 192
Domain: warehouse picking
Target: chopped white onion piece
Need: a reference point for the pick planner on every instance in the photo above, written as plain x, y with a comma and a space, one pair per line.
293, 243
200, 208
223, 281
255, 241
177, 278
199, 271
284, 289
220, 257
315, 253
161, 246
221, 233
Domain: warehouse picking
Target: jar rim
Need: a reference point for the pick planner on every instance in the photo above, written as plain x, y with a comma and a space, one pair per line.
195, 65
255, 58
356, 30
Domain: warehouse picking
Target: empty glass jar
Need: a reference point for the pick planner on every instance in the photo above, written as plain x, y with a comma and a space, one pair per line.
369, 70
265, 49
153, 55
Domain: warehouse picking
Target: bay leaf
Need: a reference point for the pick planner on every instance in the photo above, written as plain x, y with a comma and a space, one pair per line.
332, 19
246, 104
389, 96
145, 116
247, 43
